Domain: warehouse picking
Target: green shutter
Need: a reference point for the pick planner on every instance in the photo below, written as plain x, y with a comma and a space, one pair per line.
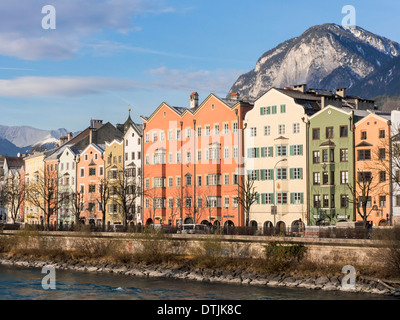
291, 174
257, 152
301, 149
263, 198
291, 198
271, 173
263, 152
262, 174
271, 151
262, 111
272, 198
291, 150
301, 198
258, 175
301, 173
268, 110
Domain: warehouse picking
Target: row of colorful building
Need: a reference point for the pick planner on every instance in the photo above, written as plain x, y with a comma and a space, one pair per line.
313, 157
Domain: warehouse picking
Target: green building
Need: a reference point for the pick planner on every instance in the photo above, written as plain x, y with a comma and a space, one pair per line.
330, 166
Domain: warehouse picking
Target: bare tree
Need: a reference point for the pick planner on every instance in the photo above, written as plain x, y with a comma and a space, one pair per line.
42, 193
103, 199
14, 193
247, 196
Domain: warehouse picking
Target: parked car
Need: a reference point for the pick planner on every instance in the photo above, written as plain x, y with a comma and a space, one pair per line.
194, 228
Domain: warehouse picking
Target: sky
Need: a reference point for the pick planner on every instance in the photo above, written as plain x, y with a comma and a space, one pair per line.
106, 56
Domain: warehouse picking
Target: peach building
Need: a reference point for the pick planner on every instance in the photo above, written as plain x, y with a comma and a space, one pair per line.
90, 179
192, 160
372, 168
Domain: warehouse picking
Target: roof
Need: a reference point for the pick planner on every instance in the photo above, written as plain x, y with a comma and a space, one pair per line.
14, 162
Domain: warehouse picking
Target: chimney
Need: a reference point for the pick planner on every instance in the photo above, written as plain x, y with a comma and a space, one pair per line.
63, 139
70, 135
194, 100
95, 124
300, 87
235, 96
341, 92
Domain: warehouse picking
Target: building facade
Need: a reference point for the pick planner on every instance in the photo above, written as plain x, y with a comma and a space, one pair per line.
193, 158
331, 166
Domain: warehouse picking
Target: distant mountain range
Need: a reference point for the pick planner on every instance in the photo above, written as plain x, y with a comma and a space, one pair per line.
329, 57
21, 139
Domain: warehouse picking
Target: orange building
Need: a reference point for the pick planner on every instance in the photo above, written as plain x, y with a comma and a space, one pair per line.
372, 168
192, 158
90, 180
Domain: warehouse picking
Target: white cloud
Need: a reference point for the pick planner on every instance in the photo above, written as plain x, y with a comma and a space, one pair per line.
22, 36
216, 81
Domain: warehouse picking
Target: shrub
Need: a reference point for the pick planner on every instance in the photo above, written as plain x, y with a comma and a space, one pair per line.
279, 257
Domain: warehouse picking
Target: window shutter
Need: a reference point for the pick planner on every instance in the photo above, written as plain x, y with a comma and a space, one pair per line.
301, 173
263, 198
268, 110
301, 198
291, 173
291, 150
292, 198
272, 198
257, 152
301, 149
262, 152
262, 174
271, 171
258, 175
271, 151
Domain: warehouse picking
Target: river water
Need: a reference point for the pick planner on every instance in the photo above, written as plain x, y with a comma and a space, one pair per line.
18, 283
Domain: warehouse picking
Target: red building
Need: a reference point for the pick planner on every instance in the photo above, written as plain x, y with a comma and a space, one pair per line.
192, 159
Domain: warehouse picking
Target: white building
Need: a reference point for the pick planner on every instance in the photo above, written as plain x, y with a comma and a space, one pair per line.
133, 167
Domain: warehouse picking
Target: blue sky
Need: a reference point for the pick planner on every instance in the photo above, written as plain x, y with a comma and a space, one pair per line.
105, 55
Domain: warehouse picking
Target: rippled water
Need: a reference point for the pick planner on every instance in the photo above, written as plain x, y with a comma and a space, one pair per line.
20, 283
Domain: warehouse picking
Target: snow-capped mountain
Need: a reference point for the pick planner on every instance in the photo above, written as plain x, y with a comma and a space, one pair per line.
16, 139
326, 56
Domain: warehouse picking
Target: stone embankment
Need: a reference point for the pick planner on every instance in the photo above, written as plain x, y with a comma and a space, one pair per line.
239, 277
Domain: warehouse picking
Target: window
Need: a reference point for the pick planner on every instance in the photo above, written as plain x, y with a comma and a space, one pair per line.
281, 129
325, 178
281, 151
325, 154
364, 155
283, 108
199, 181
382, 134
198, 155
226, 202
253, 132
382, 176
170, 203
296, 127
382, 201
86, 159
170, 135
82, 172
273, 109
365, 177
317, 201
316, 157
188, 133
226, 153
252, 152
199, 202
159, 182
316, 134
325, 201
178, 134
226, 179
363, 135
344, 201
344, 177
92, 188
266, 198
170, 182
199, 131
317, 178
235, 127
252, 175
213, 202
216, 129
382, 153
296, 173
213, 180
297, 198
267, 152
296, 150
344, 131
344, 155
188, 179
263, 110
267, 130
208, 131
226, 128
235, 152
282, 198
92, 171
329, 133
162, 136
154, 136
188, 202
281, 173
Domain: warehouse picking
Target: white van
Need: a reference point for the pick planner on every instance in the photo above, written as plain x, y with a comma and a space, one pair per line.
194, 228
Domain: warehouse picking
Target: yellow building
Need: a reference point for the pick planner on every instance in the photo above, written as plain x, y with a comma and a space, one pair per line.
34, 167
114, 175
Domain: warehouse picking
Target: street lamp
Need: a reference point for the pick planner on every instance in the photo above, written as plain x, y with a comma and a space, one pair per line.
274, 207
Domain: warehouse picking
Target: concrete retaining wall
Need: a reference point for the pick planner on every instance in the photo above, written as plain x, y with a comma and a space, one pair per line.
337, 251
